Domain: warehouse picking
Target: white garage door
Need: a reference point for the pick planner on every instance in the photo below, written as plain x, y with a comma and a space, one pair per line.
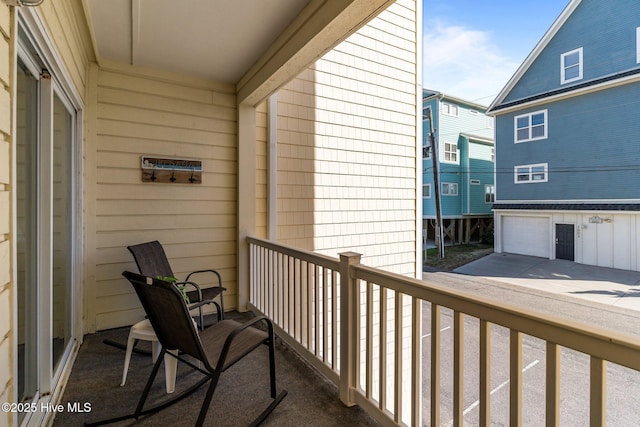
525, 235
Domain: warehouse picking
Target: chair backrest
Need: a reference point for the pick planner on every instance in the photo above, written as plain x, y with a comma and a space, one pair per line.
168, 314
151, 259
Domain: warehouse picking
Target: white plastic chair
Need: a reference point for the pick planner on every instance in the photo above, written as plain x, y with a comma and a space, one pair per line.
143, 331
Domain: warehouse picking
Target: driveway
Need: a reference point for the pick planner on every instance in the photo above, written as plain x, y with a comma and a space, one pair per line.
619, 288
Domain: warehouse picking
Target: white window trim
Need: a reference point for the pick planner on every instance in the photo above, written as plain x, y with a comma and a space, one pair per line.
450, 184
563, 68
493, 193
426, 186
638, 45
530, 115
530, 167
490, 122
444, 151
449, 112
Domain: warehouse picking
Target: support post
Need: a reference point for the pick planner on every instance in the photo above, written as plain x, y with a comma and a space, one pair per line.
349, 313
246, 196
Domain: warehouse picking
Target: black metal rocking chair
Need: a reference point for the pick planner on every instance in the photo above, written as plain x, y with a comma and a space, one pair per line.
152, 262
216, 348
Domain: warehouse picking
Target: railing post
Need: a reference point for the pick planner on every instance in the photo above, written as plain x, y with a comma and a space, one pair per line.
349, 301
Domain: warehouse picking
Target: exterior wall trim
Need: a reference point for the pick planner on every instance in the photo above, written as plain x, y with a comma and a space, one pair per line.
596, 85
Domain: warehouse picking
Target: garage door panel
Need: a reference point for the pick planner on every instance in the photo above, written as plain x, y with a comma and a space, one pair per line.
526, 235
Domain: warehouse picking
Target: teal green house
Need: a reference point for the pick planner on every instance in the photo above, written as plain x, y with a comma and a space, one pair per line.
464, 141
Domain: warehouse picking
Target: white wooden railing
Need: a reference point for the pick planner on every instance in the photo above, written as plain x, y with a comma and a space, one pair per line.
339, 314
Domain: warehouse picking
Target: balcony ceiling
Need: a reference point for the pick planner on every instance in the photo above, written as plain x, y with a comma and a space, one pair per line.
215, 39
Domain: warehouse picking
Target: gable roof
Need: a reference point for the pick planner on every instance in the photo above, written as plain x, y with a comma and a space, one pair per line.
428, 94
533, 55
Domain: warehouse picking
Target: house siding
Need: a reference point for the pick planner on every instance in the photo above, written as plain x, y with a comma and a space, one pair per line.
586, 149
473, 159
347, 147
609, 46
7, 386
141, 112
589, 149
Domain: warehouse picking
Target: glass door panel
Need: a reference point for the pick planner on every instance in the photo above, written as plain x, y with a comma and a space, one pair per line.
62, 232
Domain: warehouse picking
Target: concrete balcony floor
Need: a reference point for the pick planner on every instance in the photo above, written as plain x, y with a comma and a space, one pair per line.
242, 392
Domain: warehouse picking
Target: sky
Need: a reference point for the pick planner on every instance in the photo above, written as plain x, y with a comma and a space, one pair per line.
473, 47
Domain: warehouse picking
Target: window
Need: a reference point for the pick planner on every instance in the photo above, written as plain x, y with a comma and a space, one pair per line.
532, 126
571, 66
490, 122
449, 109
425, 113
450, 152
473, 112
426, 152
531, 173
426, 191
489, 193
449, 189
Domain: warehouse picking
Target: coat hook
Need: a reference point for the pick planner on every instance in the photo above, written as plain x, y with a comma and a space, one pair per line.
153, 175
192, 179
173, 176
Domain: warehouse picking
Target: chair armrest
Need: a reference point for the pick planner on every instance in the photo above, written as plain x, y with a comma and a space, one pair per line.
207, 271
227, 343
195, 285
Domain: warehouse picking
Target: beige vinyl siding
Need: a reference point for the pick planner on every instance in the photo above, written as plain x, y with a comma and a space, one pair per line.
66, 24
142, 112
347, 147
6, 284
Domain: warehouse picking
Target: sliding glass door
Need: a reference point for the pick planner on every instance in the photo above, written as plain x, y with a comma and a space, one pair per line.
45, 228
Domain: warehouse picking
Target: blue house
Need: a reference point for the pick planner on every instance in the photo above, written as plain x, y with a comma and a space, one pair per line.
567, 152
464, 135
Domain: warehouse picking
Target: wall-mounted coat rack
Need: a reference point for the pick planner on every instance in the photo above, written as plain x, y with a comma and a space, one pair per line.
171, 170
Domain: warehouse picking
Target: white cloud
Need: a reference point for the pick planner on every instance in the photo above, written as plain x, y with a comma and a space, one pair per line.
464, 62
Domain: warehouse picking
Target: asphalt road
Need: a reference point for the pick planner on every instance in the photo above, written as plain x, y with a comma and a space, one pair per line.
623, 385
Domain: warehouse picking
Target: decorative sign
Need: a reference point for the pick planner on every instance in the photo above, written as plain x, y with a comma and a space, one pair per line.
181, 171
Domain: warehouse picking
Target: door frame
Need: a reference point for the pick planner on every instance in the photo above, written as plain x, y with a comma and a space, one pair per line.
34, 45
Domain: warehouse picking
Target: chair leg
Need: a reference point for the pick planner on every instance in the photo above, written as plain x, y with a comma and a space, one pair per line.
147, 387
221, 316
170, 368
207, 399
127, 358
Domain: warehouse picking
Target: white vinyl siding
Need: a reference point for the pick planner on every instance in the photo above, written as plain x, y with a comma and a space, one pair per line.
531, 173
530, 126
571, 66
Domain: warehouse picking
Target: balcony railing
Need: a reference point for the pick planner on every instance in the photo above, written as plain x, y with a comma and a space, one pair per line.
361, 327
